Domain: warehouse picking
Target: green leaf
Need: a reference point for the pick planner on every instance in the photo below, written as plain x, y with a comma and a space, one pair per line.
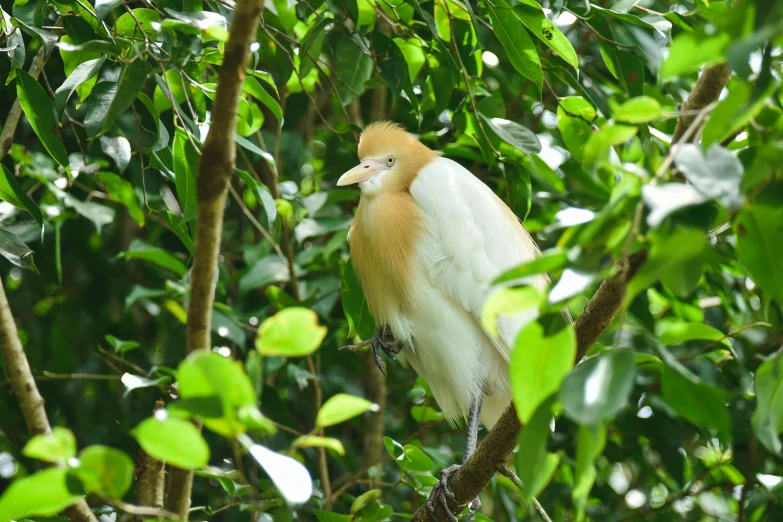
514, 134
691, 50
516, 41
533, 464
12, 192
292, 332
532, 15
668, 255
186, 164
329, 516
82, 73
540, 360
140, 250
121, 346
117, 148
415, 459
315, 441
174, 441
767, 420
599, 388
596, 150
549, 261
38, 109
207, 374
354, 69
255, 89
262, 194
717, 173
393, 68
98, 105
360, 321
105, 471
122, 192
16, 251
137, 22
574, 121
696, 401
508, 301
638, 110
131, 80
678, 333
342, 407
365, 498
269, 269
590, 444
104, 7
312, 43
760, 245
43, 494
58, 446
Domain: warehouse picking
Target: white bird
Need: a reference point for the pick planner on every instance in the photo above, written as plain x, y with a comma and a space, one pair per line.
427, 240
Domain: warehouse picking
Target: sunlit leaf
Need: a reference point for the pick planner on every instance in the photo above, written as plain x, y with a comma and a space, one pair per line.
342, 407
38, 109
42, 494
174, 441
106, 471
292, 332
58, 446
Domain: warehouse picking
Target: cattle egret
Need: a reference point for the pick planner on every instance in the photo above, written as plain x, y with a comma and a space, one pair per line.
427, 240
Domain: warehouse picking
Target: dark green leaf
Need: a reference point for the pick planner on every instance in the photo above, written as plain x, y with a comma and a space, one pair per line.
38, 109
140, 250
759, 229
132, 78
186, 164
516, 41
768, 418
122, 192
598, 389
81, 74
532, 15
13, 249
12, 192
590, 444
514, 134
355, 305
533, 464
353, 67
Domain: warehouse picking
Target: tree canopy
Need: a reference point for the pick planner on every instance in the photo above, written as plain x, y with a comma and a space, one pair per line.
176, 280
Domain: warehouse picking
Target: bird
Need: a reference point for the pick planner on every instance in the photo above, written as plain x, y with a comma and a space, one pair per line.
426, 242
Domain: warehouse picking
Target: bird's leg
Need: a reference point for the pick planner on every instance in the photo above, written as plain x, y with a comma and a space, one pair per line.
384, 341
440, 492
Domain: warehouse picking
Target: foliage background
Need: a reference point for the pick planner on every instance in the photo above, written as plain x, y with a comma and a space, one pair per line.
567, 112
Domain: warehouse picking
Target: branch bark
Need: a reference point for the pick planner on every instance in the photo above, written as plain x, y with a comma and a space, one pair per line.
215, 169
151, 476
23, 385
493, 452
707, 90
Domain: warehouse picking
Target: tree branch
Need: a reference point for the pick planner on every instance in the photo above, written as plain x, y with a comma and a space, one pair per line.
23, 385
151, 476
493, 452
706, 91
215, 169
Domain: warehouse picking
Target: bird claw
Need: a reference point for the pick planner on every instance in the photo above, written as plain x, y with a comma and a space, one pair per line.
382, 341
442, 494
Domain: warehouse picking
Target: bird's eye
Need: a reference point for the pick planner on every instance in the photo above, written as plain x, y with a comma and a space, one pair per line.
390, 161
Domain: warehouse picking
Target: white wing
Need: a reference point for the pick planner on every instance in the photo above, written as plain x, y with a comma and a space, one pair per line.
474, 237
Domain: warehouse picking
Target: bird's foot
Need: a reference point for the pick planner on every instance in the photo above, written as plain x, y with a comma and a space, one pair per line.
382, 341
442, 494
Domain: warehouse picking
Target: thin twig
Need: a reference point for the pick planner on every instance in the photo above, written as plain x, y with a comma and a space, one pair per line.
509, 473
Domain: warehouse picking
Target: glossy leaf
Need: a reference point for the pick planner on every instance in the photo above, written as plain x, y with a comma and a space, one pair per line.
186, 164
342, 407
599, 388
760, 247
12, 192
638, 110
531, 14
42, 494
58, 446
514, 134
292, 332
81, 74
122, 192
106, 471
768, 418
174, 441
519, 47
16, 251
540, 361
38, 109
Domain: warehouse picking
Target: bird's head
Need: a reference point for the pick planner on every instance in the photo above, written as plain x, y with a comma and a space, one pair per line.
390, 159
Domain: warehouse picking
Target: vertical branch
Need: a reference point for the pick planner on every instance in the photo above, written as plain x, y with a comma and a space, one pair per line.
23, 385
151, 476
215, 169
706, 91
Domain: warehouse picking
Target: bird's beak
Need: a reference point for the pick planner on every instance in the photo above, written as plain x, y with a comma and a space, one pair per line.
361, 172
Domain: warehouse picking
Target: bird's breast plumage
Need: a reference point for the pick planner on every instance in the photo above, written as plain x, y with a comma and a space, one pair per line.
384, 234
